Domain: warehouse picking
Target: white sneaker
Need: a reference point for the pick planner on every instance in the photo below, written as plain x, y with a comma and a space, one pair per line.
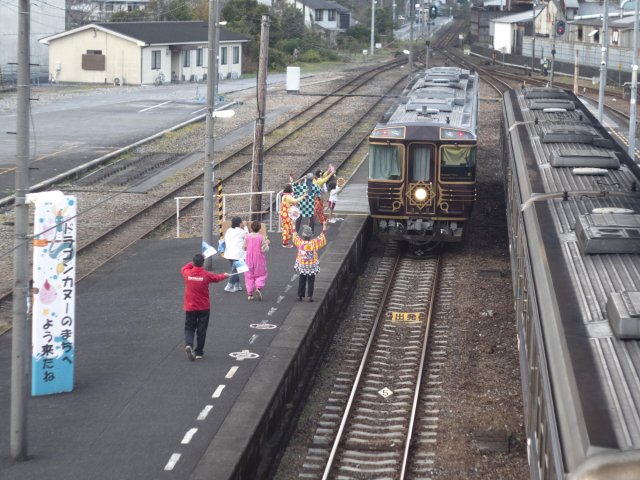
333, 220
238, 288
229, 288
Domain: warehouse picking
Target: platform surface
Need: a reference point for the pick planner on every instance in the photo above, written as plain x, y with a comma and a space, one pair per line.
140, 410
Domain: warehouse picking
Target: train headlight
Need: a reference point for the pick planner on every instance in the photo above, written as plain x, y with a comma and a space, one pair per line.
420, 194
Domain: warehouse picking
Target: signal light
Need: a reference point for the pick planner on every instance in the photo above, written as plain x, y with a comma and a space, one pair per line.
560, 27
433, 11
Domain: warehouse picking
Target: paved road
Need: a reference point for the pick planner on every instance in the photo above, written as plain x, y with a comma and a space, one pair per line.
72, 130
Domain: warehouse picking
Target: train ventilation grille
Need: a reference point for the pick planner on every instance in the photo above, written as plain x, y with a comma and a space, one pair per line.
548, 93
551, 103
623, 311
442, 105
592, 159
572, 133
608, 233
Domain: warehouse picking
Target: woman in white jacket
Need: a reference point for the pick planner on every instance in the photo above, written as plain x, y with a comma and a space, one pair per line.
234, 240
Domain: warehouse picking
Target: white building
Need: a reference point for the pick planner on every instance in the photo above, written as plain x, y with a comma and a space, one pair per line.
46, 18
140, 53
324, 14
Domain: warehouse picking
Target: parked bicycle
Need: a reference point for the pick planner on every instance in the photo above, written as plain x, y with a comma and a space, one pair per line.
159, 79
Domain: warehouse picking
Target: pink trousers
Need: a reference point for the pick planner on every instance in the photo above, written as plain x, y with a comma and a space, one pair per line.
252, 282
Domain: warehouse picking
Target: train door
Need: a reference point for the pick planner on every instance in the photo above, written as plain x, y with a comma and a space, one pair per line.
421, 194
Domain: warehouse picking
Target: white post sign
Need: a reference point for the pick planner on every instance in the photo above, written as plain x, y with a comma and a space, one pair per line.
54, 272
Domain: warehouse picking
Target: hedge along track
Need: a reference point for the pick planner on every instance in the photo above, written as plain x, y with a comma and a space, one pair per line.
377, 423
96, 251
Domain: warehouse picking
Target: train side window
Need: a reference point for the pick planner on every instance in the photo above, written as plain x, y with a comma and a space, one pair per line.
385, 162
419, 163
458, 164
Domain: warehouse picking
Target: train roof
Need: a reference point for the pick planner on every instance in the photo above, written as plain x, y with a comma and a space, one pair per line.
581, 213
440, 95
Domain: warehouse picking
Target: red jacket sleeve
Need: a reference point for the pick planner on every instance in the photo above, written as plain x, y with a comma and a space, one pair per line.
215, 277
185, 269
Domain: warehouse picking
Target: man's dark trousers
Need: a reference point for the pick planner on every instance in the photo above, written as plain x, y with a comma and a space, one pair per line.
196, 321
306, 281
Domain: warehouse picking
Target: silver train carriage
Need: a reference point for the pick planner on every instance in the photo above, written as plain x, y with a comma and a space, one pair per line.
422, 159
574, 229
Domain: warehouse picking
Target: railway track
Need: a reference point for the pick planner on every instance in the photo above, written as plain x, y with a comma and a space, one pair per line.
235, 168
381, 418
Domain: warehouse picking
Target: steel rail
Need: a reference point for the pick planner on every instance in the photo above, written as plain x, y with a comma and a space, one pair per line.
425, 341
361, 368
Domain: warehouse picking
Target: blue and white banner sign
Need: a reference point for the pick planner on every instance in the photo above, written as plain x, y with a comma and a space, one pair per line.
53, 293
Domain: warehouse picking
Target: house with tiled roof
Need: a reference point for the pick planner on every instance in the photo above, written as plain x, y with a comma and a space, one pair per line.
324, 13
140, 53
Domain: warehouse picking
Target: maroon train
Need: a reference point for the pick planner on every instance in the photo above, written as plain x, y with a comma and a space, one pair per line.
422, 159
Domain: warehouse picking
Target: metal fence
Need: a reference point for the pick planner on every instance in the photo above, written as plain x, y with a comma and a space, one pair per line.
269, 211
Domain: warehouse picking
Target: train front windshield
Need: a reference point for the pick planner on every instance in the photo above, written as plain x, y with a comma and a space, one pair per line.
385, 162
458, 164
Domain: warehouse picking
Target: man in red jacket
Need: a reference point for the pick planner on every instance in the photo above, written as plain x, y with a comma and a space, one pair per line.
197, 303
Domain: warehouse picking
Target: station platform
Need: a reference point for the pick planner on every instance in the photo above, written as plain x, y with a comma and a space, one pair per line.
140, 410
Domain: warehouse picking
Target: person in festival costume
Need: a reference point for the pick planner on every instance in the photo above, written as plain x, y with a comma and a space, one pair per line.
320, 180
256, 277
307, 263
288, 201
307, 205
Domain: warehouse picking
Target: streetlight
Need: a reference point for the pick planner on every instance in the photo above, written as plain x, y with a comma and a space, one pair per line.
212, 93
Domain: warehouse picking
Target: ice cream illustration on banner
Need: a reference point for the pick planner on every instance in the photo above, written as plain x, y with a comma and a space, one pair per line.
48, 294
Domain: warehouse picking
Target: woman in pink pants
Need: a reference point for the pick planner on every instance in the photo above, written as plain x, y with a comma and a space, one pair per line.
256, 260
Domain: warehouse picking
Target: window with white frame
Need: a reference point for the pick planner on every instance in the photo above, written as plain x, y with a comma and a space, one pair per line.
199, 57
318, 15
223, 56
186, 58
236, 55
332, 15
155, 59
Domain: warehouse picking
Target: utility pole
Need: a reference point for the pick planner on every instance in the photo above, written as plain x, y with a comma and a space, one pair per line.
373, 22
212, 80
634, 86
412, 20
553, 49
533, 37
603, 61
576, 71
257, 164
20, 341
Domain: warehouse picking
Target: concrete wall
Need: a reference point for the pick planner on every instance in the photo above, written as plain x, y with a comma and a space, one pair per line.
46, 19
122, 58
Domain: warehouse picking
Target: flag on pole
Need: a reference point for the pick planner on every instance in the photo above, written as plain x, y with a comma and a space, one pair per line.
208, 250
241, 266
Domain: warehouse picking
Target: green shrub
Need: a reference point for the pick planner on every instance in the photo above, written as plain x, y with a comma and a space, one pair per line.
288, 45
278, 59
311, 56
